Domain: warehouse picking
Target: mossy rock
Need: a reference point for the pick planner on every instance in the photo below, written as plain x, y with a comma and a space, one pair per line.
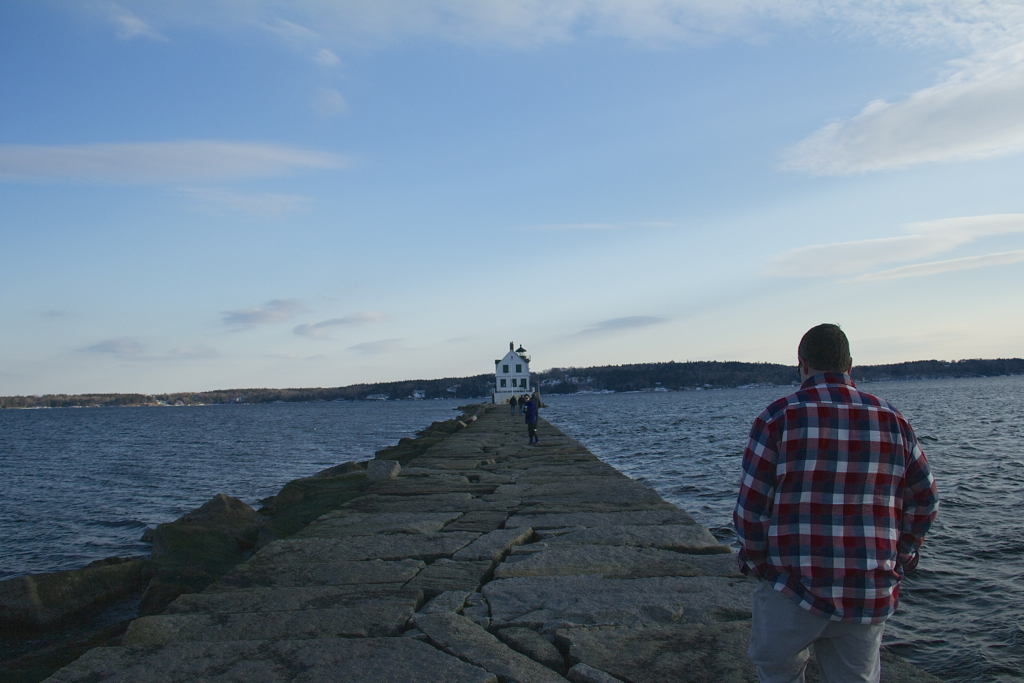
170, 582
214, 547
304, 500
44, 662
42, 601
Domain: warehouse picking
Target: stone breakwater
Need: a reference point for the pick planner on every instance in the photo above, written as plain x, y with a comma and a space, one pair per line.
477, 558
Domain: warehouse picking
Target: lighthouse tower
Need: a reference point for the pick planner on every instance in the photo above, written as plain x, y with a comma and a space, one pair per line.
512, 374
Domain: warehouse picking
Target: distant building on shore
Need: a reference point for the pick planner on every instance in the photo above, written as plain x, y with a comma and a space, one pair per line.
511, 374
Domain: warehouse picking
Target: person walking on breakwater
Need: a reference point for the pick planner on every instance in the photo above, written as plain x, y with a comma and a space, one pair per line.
835, 500
513, 403
532, 407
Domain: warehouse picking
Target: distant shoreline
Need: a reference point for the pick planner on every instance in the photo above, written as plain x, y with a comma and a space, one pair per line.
639, 377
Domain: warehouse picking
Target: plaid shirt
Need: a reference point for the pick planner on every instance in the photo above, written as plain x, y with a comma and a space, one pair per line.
836, 496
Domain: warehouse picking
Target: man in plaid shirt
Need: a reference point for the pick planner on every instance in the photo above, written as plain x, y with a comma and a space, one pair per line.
835, 499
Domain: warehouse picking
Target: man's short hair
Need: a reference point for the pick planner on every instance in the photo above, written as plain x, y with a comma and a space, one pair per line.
826, 348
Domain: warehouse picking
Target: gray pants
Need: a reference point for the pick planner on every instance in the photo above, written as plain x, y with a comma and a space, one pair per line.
782, 632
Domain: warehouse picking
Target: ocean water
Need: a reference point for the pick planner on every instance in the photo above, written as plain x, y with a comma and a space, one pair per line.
961, 613
81, 484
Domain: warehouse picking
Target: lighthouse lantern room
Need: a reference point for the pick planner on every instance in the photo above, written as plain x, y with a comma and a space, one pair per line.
512, 374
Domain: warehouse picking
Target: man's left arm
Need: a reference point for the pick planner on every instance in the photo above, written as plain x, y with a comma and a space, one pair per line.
920, 503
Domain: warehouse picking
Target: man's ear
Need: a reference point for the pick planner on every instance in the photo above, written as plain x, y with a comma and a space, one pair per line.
849, 367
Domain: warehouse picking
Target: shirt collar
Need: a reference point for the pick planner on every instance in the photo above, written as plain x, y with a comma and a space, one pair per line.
828, 378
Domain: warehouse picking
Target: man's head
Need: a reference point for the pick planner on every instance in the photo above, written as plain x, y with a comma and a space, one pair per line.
824, 348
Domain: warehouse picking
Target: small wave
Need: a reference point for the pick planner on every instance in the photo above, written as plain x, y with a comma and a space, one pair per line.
117, 524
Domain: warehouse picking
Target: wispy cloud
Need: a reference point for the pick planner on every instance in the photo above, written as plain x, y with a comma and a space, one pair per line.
328, 103
601, 226
975, 110
975, 113
190, 352
55, 313
926, 239
122, 347
968, 24
319, 330
265, 204
326, 57
379, 346
616, 324
274, 311
937, 267
130, 348
129, 26
302, 39
149, 162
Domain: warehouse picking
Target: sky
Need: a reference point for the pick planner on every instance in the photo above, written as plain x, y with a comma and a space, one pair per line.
213, 194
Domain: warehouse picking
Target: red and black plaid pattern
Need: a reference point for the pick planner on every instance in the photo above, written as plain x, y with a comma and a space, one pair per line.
836, 496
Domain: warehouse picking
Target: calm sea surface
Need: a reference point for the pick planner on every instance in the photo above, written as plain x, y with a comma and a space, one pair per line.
81, 484
961, 613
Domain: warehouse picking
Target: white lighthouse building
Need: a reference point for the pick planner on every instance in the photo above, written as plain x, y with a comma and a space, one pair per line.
512, 374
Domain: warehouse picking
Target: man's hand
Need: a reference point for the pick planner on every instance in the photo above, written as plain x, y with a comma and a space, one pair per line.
908, 562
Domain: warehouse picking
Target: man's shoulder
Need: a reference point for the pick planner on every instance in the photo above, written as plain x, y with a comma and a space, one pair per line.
826, 393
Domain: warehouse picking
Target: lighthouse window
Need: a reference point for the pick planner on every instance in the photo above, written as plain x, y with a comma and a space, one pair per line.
502, 382
519, 368
504, 368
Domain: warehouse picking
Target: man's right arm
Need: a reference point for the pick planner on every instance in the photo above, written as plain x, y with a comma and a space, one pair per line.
753, 512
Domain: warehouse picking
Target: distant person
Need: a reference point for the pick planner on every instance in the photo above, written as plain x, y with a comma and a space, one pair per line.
522, 402
835, 500
513, 404
532, 407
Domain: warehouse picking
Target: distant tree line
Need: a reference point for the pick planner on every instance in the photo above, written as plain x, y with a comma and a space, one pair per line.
934, 369
671, 376
636, 377
452, 387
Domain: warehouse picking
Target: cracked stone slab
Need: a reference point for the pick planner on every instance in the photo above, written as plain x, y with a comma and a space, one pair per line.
545, 602
336, 524
459, 636
570, 505
612, 562
581, 673
468, 463
560, 472
480, 521
601, 519
380, 470
293, 598
302, 551
371, 660
258, 573
418, 486
494, 545
420, 471
449, 601
693, 653
366, 620
533, 645
681, 538
444, 502
449, 575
